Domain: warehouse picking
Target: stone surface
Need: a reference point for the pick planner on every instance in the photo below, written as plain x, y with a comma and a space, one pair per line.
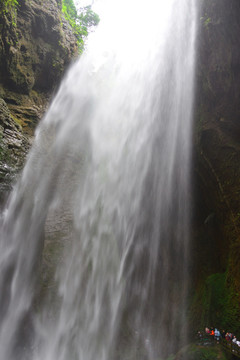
14, 146
216, 230
34, 54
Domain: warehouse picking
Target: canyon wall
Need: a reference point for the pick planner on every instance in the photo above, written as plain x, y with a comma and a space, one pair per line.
216, 222
36, 47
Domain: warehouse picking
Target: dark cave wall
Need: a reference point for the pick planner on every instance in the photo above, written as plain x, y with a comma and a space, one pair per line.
216, 223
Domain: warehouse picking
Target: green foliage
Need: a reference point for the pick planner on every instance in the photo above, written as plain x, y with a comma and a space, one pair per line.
9, 7
80, 23
215, 298
69, 10
88, 17
196, 352
206, 20
216, 304
205, 353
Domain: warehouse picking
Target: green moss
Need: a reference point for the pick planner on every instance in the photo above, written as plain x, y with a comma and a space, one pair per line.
216, 303
9, 7
195, 352
206, 20
205, 353
5, 154
171, 357
234, 267
18, 122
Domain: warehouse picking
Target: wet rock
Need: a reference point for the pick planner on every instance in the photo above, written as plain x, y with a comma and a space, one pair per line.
35, 53
216, 247
36, 47
14, 146
195, 352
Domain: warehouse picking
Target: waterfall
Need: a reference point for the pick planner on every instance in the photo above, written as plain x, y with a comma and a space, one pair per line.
111, 164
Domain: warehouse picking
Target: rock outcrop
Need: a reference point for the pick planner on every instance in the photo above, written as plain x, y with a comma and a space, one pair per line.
14, 146
36, 46
216, 248
35, 52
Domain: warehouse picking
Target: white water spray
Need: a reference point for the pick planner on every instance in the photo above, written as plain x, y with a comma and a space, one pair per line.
113, 153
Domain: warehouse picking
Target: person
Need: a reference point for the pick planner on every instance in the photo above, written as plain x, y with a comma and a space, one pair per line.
227, 337
217, 335
223, 334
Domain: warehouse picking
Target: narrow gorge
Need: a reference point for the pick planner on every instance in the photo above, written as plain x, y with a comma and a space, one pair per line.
138, 214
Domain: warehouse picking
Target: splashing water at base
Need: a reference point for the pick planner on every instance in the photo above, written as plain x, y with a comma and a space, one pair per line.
113, 153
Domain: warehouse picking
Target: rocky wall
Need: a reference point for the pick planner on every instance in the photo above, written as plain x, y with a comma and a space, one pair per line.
216, 222
36, 46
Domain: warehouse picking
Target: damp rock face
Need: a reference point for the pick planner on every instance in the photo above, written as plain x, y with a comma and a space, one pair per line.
36, 46
216, 230
14, 146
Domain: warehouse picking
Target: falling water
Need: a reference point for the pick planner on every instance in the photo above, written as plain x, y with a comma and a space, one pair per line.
112, 155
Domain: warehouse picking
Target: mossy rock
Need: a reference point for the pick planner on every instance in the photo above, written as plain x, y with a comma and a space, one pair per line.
13, 147
195, 352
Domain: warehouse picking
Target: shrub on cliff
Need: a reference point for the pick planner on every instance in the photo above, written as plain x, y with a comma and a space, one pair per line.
81, 23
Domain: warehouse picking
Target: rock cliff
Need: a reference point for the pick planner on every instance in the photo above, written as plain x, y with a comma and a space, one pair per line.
216, 230
36, 46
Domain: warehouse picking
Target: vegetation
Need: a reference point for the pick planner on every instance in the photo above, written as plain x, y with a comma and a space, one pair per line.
81, 23
216, 304
196, 352
205, 353
206, 20
9, 6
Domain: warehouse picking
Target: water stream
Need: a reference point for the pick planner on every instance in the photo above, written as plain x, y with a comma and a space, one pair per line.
113, 157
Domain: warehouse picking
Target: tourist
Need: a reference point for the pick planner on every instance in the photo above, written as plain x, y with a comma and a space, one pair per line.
223, 334
227, 337
212, 333
217, 334
207, 331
